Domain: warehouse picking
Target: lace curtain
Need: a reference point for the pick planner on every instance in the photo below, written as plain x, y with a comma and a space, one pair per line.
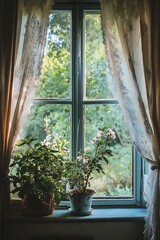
128, 42
17, 89
32, 30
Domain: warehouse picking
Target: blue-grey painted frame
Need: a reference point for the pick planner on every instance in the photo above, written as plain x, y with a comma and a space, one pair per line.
77, 102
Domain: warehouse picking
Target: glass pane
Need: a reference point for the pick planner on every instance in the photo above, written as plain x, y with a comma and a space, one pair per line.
55, 118
48, 119
117, 180
97, 77
56, 68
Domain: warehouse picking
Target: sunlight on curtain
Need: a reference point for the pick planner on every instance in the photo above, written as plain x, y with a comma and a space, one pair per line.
126, 27
17, 90
32, 30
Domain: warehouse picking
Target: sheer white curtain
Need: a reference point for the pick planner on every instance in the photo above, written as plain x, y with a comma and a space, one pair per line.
31, 36
127, 37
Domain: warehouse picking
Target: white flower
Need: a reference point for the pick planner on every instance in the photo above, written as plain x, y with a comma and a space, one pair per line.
99, 134
42, 143
46, 142
111, 134
85, 160
79, 158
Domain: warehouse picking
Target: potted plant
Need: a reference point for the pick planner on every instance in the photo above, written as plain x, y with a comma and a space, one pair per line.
36, 174
79, 172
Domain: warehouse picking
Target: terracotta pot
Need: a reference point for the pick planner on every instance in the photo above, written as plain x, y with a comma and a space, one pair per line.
33, 206
81, 202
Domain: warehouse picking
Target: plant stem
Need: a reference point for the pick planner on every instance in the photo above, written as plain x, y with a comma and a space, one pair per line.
92, 168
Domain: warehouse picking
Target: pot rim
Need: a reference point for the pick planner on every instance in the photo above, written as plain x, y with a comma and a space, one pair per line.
88, 191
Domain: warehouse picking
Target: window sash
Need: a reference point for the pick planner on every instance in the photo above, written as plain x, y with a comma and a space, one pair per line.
77, 102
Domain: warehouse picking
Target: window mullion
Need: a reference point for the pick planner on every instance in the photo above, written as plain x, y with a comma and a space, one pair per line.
80, 79
76, 81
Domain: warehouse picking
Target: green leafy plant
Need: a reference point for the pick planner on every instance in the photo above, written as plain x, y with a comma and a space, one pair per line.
37, 169
79, 172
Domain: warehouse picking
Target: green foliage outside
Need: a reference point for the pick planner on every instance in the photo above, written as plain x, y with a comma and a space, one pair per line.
56, 83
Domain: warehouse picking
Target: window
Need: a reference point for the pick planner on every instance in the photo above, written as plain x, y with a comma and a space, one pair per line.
77, 97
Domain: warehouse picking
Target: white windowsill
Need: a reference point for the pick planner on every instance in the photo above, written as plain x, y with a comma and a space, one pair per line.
98, 215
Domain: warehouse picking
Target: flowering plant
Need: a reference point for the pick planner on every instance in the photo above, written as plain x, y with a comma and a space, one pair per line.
80, 171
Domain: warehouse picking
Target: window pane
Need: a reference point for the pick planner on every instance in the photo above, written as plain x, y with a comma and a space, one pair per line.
98, 83
56, 68
57, 118
58, 122
117, 180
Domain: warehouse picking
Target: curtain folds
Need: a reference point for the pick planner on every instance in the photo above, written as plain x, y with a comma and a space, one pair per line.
131, 38
24, 25
8, 18
33, 23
